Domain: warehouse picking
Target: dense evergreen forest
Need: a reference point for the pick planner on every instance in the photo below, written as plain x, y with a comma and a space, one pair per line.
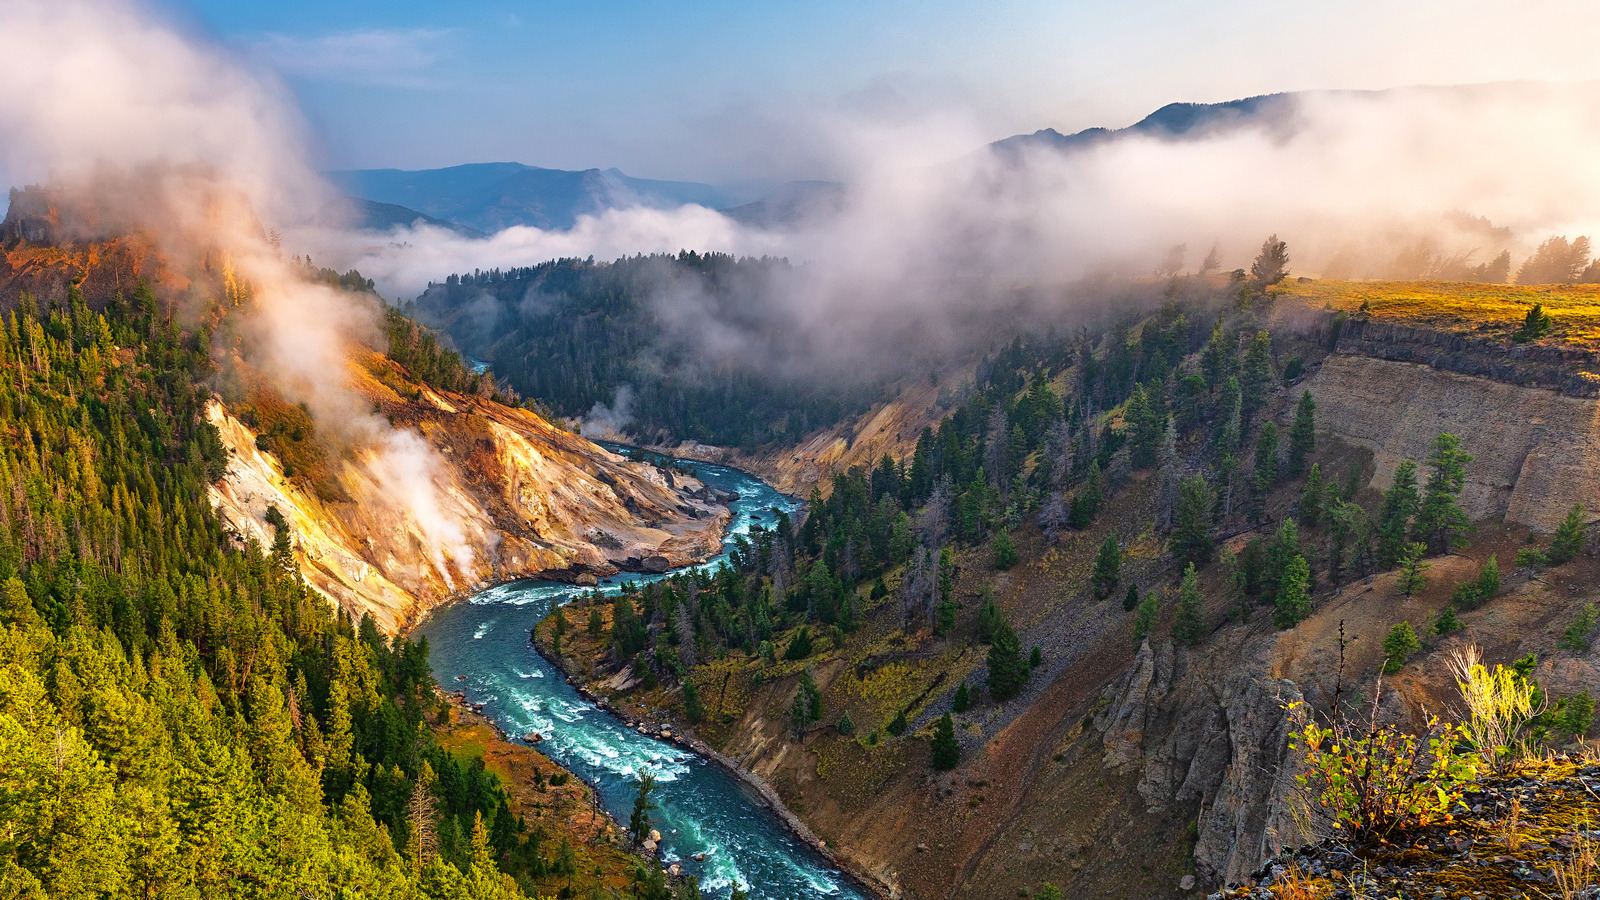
575, 333
180, 716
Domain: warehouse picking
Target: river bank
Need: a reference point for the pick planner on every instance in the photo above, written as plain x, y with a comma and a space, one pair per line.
682, 734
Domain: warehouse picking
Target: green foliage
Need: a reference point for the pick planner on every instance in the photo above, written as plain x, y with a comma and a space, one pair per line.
179, 716
639, 823
1293, 604
1377, 781
1413, 570
1007, 669
1530, 558
1145, 619
1441, 522
946, 752
1189, 627
597, 622
1577, 636
1048, 892
1303, 434
799, 646
1004, 550
807, 705
989, 616
1035, 657
1535, 325
1191, 533
1271, 265
962, 700
1398, 646
1447, 621
898, 725
693, 709
846, 725
1400, 504
1130, 600
1107, 567
1311, 499
1577, 715
1569, 537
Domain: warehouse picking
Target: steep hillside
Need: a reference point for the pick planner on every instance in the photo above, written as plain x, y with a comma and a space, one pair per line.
1147, 752
528, 499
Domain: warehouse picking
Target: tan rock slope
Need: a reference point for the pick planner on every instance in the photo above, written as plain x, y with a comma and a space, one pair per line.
515, 495
1534, 449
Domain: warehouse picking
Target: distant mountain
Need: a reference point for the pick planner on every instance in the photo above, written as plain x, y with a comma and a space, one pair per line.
370, 215
1175, 120
492, 196
790, 204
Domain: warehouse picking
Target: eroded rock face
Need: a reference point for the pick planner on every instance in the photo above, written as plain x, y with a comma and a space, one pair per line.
1199, 730
515, 496
1534, 449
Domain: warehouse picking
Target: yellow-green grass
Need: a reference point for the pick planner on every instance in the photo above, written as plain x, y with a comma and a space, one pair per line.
1485, 310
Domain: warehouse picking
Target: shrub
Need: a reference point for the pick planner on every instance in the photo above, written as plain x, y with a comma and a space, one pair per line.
1447, 621
1535, 325
1005, 551
1569, 537
1576, 637
1530, 558
846, 725
946, 752
1577, 714
799, 646
1398, 646
1373, 781
898, 726
1501, 705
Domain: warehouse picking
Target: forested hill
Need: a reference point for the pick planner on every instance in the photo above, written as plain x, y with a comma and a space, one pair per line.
178, 718
632, 336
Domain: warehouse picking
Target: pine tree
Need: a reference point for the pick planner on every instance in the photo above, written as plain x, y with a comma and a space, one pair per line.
1489, 579
1400, 643
1569, 537
1265, 474
989, 617
639, 823
1007, 669
692, 708
1441, 523
1130, 600
1293, 604
1311, 499
1189, 626
946, 752
1191, 533
1258, 376
1107, 567
1447, 622
1400, 504
962, 700
1145, 619
1303, 434
1005, 552
1413, 569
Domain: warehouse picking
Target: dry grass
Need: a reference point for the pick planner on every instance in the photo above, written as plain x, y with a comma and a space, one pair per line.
1510, 827
1482, 310
1296, 885
1578, 871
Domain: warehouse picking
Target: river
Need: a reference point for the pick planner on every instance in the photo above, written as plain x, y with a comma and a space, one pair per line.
702, 808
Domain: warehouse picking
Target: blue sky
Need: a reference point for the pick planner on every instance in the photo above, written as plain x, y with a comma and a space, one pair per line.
724, 90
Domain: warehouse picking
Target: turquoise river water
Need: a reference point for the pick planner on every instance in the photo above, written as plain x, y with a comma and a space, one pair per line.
703, 809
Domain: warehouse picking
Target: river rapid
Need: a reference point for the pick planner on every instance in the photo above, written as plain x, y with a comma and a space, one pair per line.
702, 808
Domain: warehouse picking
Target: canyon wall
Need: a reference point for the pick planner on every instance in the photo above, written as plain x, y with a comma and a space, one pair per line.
525, 497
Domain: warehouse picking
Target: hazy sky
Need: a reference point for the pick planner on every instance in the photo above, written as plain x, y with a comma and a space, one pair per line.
722, 90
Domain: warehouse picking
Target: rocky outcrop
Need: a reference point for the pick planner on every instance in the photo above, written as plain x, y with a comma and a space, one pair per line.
1534, 449
1213, 732
512, 496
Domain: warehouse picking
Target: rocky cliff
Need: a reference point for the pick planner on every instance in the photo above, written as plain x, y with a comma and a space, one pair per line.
517, 496
1534, 448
